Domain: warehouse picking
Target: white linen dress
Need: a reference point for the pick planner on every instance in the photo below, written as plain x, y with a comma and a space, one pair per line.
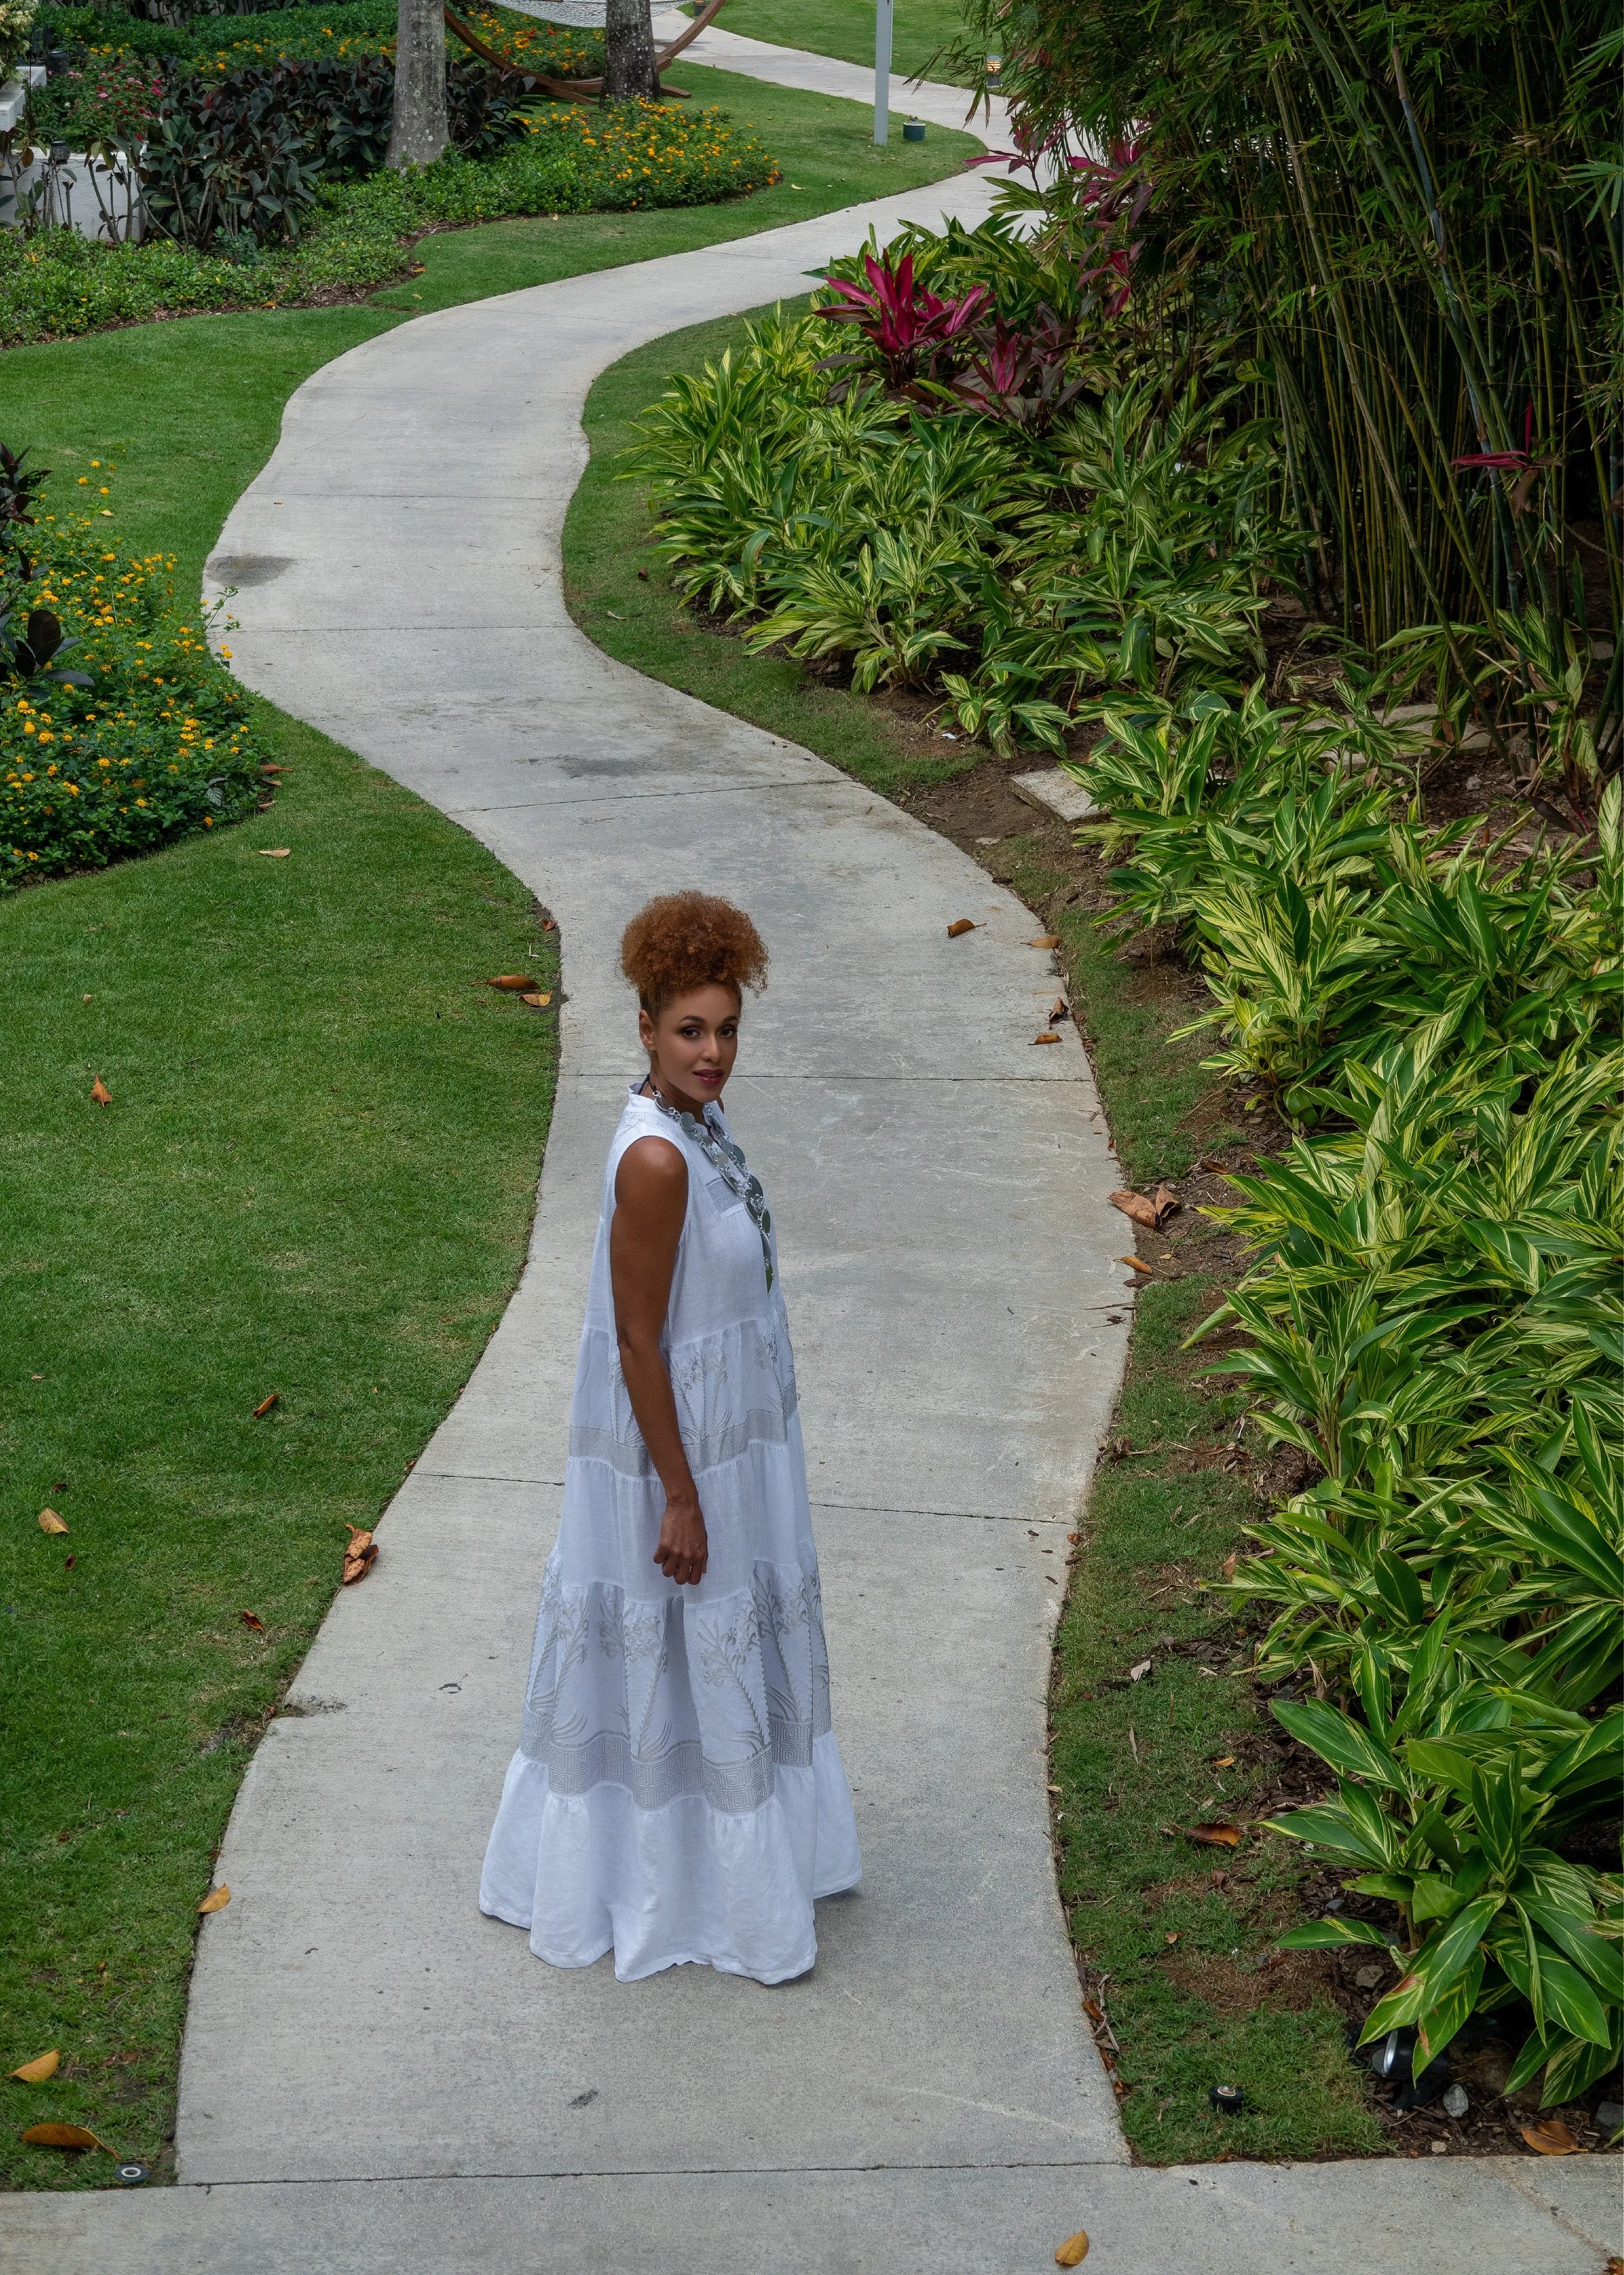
678, 1794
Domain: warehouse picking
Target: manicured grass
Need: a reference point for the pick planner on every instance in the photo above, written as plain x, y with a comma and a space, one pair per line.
1197, 2011
315, 1177
920, 30
1177, 1955
192, 408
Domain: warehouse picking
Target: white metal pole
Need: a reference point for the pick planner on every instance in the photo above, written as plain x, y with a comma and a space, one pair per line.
882, 72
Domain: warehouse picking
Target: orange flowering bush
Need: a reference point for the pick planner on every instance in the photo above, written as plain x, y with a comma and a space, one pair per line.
158, 746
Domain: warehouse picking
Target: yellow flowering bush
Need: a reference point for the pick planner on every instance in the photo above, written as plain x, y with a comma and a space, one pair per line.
159, 745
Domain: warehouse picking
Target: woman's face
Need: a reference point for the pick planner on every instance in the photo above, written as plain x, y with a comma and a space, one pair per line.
691, 1045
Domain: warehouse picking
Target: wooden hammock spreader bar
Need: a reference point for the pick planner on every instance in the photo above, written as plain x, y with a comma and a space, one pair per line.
583, 90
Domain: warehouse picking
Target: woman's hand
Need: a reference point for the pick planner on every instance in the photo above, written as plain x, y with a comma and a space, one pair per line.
683, 1551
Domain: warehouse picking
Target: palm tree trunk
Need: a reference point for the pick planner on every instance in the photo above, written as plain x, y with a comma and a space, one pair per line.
628, 52
420, 132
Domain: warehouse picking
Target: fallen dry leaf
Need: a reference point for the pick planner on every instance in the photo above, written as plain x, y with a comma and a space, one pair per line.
253, 1620
1058, 1011
1045, 940
100, 1092
1138, 1674
62, 2137
1073, 2252
1165, 1203
216, 1899
1227, 1567
43, 2066
1137, 1207
1215, 1836
265, 1405
1047, 1036
49, 1521
1551, 2137
273, 852
960, 925
1172, 1936
1223, 1762
540, 1000
515, 981
1137, 1263
358, 1556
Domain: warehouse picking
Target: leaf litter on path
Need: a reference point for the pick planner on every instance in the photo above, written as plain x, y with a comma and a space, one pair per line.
216, 1899
42, 2066
49, 1521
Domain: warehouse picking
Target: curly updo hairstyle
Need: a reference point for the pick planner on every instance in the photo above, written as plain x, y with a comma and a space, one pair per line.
684, 940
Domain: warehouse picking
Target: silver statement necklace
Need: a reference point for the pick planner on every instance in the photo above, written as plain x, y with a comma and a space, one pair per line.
725, 1157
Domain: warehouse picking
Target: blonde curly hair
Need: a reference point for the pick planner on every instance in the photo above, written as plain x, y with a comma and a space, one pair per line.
684, 940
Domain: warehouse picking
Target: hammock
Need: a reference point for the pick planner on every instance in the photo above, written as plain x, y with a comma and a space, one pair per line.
580, 15
584, 15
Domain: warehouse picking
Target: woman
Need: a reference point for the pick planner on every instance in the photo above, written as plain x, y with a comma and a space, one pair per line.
678, 1794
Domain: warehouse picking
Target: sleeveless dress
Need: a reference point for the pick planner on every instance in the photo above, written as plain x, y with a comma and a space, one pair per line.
678, 1794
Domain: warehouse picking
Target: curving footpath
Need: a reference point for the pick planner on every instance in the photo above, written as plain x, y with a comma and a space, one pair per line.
375, 2077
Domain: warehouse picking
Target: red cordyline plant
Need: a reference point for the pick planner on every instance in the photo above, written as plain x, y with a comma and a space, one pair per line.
1023, 377
1109, 196
910, 333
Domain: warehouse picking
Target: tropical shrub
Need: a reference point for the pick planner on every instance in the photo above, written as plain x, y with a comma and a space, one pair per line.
1453, 1808
968, 484
16, 25
242, 156
119, 729
1434, 1318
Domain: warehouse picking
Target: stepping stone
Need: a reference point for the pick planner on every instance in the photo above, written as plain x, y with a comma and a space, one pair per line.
1055, 791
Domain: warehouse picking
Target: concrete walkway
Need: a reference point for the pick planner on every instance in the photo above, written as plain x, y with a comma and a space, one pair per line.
375, 2077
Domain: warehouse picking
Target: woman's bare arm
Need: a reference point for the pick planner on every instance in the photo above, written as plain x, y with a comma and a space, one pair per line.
651, 1200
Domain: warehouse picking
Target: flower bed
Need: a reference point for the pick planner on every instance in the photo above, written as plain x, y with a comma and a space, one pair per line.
549, 50
159, 747
571, 161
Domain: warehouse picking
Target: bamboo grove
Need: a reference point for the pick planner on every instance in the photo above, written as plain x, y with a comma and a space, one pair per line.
1405, 227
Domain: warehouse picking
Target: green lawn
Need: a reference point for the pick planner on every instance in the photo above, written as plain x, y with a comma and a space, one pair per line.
315, 1177
1128, 1761
919, 30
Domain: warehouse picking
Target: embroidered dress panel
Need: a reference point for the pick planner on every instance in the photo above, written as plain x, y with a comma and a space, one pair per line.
679, 1793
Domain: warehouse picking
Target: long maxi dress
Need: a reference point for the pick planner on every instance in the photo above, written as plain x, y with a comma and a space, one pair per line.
678, 1794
